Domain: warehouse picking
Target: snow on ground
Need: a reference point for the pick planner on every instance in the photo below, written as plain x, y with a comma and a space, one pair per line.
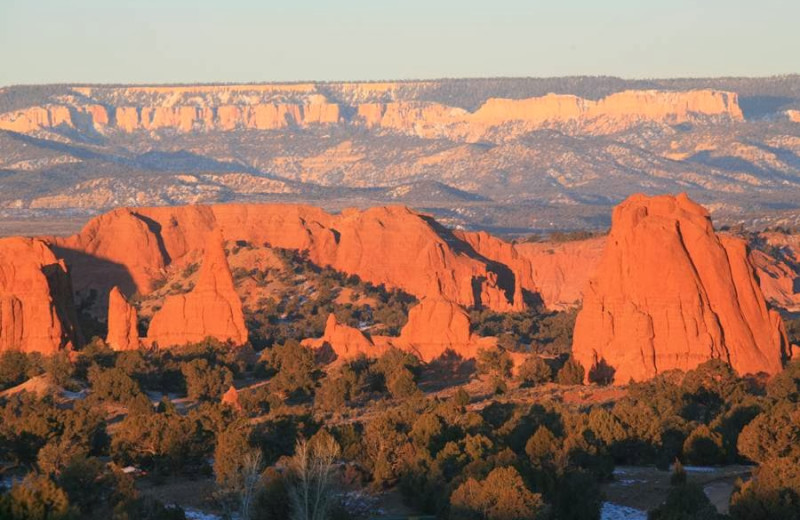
700, 469
617, 512
194, 514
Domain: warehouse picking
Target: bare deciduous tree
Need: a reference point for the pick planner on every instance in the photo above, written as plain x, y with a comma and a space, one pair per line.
312, 468
251, 477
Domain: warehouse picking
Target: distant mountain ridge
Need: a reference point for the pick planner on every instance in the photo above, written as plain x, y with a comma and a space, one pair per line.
385, 106
504, 154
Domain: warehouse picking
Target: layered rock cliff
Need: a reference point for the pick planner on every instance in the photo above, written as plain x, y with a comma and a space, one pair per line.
212, 309
670, 294
269, 107
36, 309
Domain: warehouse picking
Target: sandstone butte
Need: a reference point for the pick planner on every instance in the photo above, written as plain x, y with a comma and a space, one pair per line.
435, 326
670, 294
269, 107
123, 332
393, 246
344, 342
211, 309
36, 309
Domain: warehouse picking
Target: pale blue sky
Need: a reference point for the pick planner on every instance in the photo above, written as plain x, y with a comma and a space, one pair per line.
53, 41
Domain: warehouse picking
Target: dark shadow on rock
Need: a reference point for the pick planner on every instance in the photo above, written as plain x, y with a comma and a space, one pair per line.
88, 272
60, 284
155, 228
506, 279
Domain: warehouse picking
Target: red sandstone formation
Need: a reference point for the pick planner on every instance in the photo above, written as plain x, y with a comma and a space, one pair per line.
562, 269
345, 342
211, 309
231, 398
669, 293
123, 333
436, 326
118, 248
389, 245
36, 310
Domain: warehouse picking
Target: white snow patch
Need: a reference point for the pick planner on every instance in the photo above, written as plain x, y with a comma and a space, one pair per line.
194, 514
612, 511
700, 469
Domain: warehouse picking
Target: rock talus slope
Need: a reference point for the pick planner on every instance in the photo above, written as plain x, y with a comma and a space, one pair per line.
670, 294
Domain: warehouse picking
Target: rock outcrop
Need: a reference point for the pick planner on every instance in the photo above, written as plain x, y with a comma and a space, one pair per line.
36, 309
123, 322
211, 309
344, 342
436, 326
231, 398
670, 294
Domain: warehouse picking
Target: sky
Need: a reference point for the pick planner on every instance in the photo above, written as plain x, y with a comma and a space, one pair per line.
185, 41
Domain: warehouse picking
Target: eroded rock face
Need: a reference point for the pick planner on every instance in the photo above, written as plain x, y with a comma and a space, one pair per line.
211, 309
670, 294
345, 342
123, 333
386, 245
561, 270
436, 326
120, 248
36, 309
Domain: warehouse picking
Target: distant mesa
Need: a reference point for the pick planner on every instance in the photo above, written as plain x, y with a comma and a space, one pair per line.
271, 107
670, 294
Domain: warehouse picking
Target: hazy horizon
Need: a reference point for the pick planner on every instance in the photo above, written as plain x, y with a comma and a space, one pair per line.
242, 41
393, 80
